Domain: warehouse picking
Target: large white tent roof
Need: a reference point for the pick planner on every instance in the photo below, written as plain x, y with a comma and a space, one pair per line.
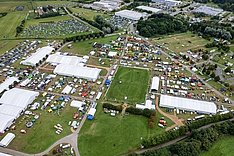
9, 81
37, 56
5, 122
64, 59
77, 71
7, 139
188, 104
155, 83
77, 104
18, 97
129, 14
154, 10
11, 110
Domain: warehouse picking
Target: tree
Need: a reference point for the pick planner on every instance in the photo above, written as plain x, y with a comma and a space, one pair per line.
216, 78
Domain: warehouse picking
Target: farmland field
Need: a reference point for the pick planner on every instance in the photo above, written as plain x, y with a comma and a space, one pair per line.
223, 147
88, 13
181, 42
84, 47
131, 83
9, 23
114, 135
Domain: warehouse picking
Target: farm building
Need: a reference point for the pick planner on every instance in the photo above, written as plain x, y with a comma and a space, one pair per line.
38, 56
56, 59
208, 10
188, 104
91, 113
169, 3
12, 104
155, 84
9, 81
132, 15
7, 140
153, 10
90, 74
148, 105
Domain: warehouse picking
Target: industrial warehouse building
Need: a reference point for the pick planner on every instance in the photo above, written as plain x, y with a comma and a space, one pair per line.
208, 10
12, 104
188, 104
131, 15
154, 85
169, 3
88, 73
38, 56
153, 10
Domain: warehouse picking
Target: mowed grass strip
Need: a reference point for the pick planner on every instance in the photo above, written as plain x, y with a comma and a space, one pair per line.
9, 23
131, 83
110, 136
223, 147
88, 13
182, 42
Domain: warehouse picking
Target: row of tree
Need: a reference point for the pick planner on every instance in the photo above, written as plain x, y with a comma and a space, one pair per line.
20, 28
84, 37
161, 24
200, 141
173, 134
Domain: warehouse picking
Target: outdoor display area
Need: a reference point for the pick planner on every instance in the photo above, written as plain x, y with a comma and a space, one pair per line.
129, 85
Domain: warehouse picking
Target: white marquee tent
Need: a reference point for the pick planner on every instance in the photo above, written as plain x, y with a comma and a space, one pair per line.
64, 59
9, 81
5, 122
37, 56
188, 104
18, 97
77, 104
7, 139
154, 84
11, 110
77, 71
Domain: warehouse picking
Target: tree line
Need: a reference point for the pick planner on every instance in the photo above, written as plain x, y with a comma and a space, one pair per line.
200, 141
84, 37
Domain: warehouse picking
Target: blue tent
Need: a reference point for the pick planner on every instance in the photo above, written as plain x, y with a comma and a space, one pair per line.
90, 117
107, 82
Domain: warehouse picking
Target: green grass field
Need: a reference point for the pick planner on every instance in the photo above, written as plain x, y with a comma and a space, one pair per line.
134, 84
9, 23
108, 136
223, 147
34, 141
6, 6
88, 13
181, 42
84, 47
6, 45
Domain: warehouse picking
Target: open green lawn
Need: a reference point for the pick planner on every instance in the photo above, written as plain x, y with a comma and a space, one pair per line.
88, 13
134, 85
9, 23
181, 42
109, 136
6, 6
84, 47
42, 134
223, 147
6, 45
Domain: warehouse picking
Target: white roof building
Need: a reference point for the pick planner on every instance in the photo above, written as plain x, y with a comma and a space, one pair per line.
56, 59
155, 84
36, 57
67, 90
132, 15
153, 10
77, 71
208, 10
188, 104
9, 81
7, 139
18, 97
148, 105
5, 122
169, 3
77, 104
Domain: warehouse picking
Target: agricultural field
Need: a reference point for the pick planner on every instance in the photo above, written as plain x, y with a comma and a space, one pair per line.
114, 135
223, 147
84, 47
33, 141
88, 13
6, 45
131, 83
9, 23
181, 42
6, 6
